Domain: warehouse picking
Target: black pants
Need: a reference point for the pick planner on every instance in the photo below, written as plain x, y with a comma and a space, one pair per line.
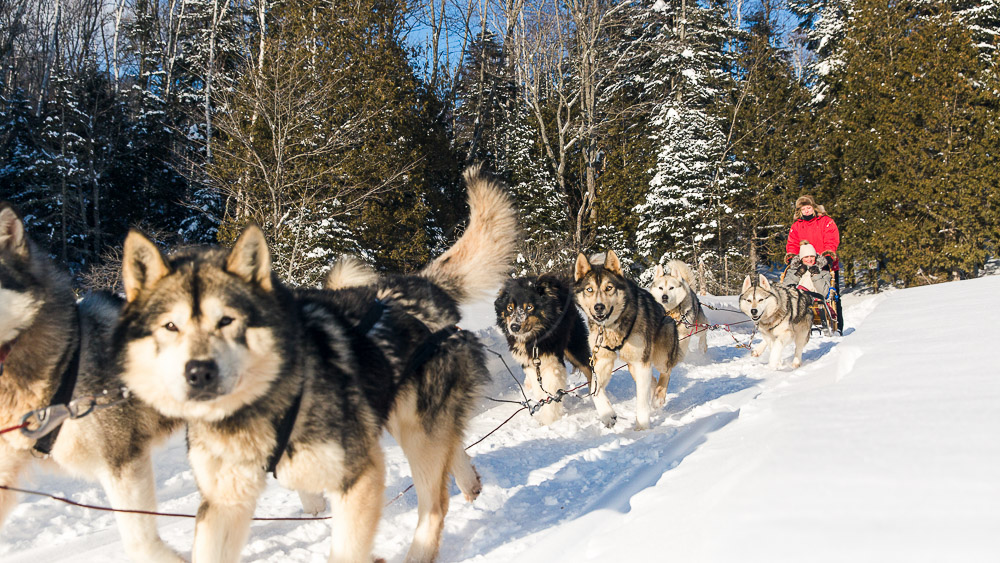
840, 310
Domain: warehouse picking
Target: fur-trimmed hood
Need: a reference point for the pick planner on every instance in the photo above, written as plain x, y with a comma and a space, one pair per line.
807, 200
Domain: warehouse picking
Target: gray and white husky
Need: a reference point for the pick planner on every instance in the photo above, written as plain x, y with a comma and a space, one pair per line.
625, 321
47, 343
673, 287
303, 382
781, 314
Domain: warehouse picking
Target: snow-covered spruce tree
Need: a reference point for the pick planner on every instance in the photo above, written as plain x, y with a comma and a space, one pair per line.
983, 20
689, 141
824, 24
542, 207
771, 143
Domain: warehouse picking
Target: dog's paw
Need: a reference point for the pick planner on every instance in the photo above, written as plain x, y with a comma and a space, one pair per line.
796, 363
659, 398
756, 352
641, 425
609, 420
472, 493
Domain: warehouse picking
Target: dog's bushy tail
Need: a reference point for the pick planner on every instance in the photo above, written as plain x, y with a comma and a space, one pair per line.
680, 270
349, 271
479, 259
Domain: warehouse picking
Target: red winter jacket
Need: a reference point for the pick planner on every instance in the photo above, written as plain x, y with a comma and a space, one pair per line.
821, 232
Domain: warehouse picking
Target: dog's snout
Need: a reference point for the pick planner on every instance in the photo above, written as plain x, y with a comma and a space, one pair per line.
515, 327
599, 308
753, 312
201, 373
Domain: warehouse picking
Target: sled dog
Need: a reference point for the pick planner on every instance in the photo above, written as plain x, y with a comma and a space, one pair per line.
781, 314
543, 327
51, 348
673, 288
625, 321
302, 383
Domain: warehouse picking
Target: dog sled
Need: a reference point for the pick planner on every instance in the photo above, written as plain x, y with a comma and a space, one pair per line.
824, 308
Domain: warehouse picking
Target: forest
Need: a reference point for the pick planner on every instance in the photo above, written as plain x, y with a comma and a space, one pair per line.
663, 130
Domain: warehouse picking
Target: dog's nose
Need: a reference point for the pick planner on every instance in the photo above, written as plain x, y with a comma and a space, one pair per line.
753, 312
599, 308
201, 373
515, 327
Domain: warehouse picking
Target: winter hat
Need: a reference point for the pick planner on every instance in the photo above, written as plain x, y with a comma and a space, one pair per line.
805, 200
806, 249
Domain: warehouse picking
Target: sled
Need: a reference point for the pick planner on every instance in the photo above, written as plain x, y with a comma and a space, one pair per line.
824, 309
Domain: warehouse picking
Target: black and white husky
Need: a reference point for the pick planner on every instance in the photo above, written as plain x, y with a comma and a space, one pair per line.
625, 321
782, 315
303, 382
53, 349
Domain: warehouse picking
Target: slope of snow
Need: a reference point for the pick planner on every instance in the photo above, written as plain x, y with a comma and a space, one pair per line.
882, 446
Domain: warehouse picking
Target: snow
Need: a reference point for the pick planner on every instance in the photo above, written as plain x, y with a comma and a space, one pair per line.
881, 447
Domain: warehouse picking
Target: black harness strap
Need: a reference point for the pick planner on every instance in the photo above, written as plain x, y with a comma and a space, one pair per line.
283, 432
64, 393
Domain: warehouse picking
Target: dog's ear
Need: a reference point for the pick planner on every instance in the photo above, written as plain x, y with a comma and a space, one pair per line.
501, 301
764, 283
612, 264
659, 273
250, 259
746, 284
583, 266
12, 232
142, 264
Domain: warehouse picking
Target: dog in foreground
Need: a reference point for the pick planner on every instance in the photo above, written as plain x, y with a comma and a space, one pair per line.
539, 318
303, 382
673, 288
47, 341
781, 314
625, 321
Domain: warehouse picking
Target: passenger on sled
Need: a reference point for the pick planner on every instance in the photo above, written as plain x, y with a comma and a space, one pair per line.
809, 272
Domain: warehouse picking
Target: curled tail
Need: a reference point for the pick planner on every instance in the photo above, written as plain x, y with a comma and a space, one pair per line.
479, 259
349, 271
680, 270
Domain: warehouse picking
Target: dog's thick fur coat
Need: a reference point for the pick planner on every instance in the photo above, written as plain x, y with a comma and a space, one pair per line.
626, 321
213, 337
782, 315
539, 318
41, 327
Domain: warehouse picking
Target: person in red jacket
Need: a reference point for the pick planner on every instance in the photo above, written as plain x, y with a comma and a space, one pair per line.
811, 223
814, 225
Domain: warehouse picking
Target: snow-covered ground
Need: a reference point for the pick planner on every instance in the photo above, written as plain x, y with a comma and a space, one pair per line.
883, 446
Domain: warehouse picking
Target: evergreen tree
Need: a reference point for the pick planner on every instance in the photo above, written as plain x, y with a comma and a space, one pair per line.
918, 140
689, 142
824, 23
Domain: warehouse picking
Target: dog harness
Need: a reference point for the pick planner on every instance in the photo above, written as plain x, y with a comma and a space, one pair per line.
283, 432
420, 356
64, 393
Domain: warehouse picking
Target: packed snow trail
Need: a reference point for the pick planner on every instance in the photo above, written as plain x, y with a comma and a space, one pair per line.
880, 447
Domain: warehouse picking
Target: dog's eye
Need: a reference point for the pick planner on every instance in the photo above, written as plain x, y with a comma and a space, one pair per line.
225, 321
529, 307
590, 290
510, 306
170, 326
609, 289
